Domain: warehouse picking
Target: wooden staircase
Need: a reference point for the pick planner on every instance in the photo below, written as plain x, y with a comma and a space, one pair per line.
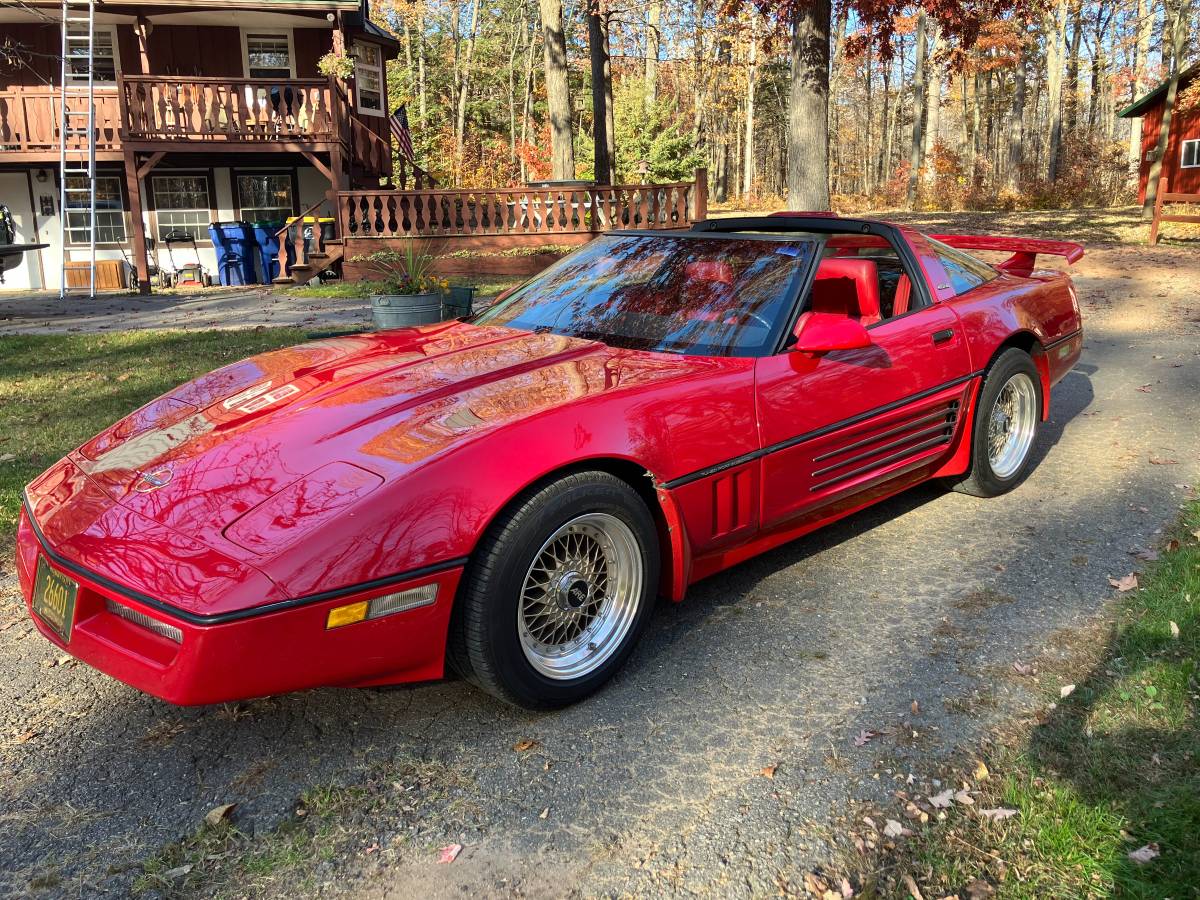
310, 261
319, 259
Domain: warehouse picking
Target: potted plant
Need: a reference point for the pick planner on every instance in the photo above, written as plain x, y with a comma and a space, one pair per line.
337, 64
411, 292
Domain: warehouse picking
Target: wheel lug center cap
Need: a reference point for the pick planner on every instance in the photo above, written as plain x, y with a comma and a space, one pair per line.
573, 591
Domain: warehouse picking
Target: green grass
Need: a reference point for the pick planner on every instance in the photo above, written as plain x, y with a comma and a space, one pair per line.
488, 286
1114, 767
56, 391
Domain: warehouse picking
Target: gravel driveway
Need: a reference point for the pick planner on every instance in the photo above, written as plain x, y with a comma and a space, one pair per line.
657, 785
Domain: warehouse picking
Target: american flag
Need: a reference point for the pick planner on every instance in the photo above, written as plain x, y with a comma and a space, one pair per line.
399, 125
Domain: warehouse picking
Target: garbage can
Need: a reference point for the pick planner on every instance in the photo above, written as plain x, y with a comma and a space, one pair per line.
268, 249
458, 304
236, 250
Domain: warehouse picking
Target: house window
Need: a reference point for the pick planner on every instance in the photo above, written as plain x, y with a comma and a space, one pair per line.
265, 198
104, 54
269, 55
110, 211
181, 204
1191, 154
368, 78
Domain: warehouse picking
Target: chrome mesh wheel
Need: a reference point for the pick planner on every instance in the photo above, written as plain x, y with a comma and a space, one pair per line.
580, 596
1011, 426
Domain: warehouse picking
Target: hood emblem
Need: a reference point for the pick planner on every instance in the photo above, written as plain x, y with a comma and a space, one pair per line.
153, 480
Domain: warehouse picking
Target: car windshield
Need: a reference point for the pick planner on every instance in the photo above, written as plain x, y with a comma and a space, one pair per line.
710, 296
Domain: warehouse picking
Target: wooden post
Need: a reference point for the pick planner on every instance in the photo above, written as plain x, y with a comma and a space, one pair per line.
1158, 205
142, 30
700, 197
134, 189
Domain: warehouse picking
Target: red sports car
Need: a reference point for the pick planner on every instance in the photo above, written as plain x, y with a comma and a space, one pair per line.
508, 494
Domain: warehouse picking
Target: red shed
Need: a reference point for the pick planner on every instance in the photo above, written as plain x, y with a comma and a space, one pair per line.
1181, 166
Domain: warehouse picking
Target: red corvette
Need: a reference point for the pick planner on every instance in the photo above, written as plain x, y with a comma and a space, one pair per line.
509, 494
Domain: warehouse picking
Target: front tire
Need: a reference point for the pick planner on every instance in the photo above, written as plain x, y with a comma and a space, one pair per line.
1007, 420
557, 593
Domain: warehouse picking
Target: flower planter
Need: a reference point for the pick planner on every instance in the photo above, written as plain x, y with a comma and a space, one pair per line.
403, 310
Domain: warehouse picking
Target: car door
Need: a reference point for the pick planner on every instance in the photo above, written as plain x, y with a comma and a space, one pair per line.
841, 426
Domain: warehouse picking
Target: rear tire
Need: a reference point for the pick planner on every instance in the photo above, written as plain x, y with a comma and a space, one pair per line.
557, 593
1007, 419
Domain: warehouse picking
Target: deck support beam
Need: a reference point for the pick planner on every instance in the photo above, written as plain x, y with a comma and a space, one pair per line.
133, 186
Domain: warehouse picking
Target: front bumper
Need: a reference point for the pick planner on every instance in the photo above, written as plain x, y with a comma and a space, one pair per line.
287, 648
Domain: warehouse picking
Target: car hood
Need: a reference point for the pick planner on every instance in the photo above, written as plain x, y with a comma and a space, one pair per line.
325, 423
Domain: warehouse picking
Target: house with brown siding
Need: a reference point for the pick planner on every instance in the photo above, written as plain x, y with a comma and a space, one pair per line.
1181, 163
204, 112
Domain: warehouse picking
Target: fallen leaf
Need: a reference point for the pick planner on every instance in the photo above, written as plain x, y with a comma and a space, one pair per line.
524, 744
847, 891
894, 829
979, 889
449, 854
1125, 582
981, 771
1147, 555
863, 736
1143, 855
768, 771
1146, 389
1066, 690
25, 737
124, 377
998, 814
942, 800
1163, 461
544, 813
916, 708
5, 457
1174, 630
1022, 669
911, 887
964, 798
1172, 545
178, 871
219, 814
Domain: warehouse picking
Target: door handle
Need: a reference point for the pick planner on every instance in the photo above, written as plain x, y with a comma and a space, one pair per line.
940, 337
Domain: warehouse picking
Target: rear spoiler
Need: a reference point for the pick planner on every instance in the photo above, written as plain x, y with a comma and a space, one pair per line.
1024, 250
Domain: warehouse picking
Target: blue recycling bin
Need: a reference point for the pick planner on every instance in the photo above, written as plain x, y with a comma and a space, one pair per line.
268, 249
236, 252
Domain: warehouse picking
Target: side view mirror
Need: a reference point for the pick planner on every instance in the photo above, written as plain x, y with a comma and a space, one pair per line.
818, 332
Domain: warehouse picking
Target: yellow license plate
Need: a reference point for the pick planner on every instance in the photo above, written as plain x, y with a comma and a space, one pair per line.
54, 599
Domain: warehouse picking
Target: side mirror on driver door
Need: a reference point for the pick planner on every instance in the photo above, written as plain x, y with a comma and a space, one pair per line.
819, 332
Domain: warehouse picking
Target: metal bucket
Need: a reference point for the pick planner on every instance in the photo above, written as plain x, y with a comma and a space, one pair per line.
402, 310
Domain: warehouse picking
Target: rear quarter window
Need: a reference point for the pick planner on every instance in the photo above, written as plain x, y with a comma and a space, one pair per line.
965, 271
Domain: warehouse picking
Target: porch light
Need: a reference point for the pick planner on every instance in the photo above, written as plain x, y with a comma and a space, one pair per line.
386, 605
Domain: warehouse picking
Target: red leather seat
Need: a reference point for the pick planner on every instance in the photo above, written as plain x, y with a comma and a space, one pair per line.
903, 298
848, 287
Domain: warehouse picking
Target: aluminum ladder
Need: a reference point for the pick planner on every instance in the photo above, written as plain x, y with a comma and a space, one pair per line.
77, 119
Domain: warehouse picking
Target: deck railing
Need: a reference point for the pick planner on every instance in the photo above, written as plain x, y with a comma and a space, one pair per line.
29, 121
230, 109
519, 211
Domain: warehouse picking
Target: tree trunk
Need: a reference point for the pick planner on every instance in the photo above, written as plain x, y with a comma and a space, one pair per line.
1055, 27
653, 41
751, 85
808, 108
918, 124
933, 103
1015, 121
1176, 30
1141, 51
869, 157
460, 121
1071, 90
885, 142
558, 98
599, 58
